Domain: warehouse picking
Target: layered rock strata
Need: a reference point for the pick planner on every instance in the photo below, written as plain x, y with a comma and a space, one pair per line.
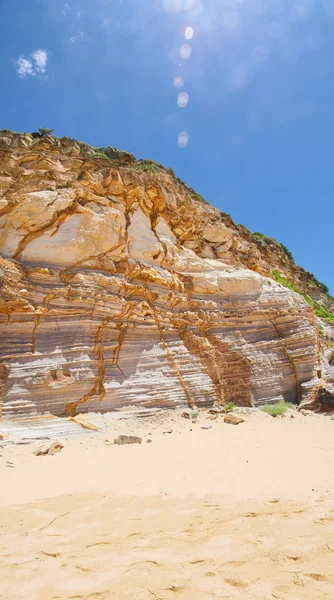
120, 289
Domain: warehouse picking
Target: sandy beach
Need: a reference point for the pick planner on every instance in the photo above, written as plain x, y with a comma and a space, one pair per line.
206, 510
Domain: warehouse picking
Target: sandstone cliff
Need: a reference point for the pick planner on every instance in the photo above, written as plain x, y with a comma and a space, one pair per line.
120, 287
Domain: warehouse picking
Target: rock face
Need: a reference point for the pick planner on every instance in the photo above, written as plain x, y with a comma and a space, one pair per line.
118, 288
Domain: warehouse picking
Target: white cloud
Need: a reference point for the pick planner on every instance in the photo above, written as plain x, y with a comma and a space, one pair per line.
77, 38
41, 59
35, 64
24, 67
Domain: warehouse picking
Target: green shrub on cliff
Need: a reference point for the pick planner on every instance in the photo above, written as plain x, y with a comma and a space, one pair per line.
198, 197
320, 311
45, 131
98, 155
257, 236
148, 165
323, 287
280, 279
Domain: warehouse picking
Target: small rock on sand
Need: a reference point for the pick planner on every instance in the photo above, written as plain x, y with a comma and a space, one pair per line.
55, 447
79, 420
206, 426
216, 409
127, 439
232, 419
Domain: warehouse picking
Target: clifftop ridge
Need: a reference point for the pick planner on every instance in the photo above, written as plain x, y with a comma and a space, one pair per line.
265, 255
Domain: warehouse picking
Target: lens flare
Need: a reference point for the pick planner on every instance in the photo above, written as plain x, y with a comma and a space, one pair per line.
182, 99
189, 32
182, 139
185, 51
178, 82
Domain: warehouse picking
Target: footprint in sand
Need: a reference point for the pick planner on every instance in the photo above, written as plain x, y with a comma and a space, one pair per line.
236, 583
317, 576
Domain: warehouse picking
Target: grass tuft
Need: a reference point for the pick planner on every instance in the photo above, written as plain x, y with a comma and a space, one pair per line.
230, 406
197, 196
98, 154
260, 237
147, 166
320, 311
276, 410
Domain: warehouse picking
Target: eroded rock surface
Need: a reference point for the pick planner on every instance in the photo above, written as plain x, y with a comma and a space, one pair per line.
118, 289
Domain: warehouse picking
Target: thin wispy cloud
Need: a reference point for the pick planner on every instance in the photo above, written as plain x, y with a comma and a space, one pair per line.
35, 64
77, 38
71, 11
66, 9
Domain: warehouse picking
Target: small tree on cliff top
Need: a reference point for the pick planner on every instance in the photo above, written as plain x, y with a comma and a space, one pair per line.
45, 131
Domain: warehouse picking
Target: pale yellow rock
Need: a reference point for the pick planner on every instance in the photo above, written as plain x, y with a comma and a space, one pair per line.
232, 419
79, 420
217, 233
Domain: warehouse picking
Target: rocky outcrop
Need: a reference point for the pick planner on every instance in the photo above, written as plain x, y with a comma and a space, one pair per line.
120, 288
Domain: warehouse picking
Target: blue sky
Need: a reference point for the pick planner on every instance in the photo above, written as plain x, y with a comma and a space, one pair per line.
251, 128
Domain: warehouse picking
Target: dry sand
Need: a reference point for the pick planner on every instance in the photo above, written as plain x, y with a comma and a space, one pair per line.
241, 512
